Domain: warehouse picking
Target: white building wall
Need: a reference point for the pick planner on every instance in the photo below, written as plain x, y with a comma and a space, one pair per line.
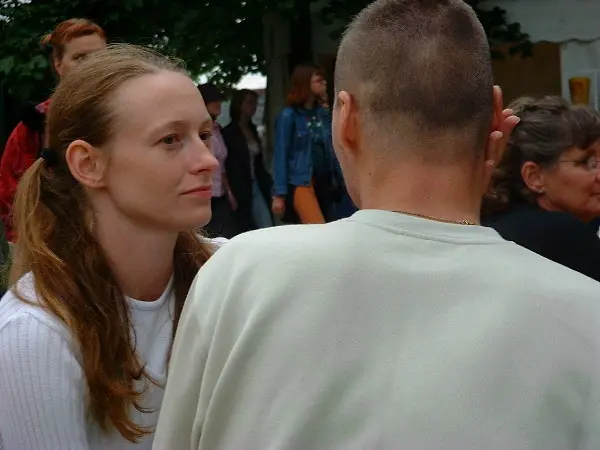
554, 20
575, 24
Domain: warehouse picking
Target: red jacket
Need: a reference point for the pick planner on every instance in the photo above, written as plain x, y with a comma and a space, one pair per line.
22, 149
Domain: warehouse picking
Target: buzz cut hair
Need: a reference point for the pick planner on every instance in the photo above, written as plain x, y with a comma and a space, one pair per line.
420, 72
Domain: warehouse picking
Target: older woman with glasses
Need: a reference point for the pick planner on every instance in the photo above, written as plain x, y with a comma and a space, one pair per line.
545, 193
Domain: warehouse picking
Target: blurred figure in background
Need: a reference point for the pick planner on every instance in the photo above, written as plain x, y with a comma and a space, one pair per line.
546, 190
249, 180
69, 43
224, 203
307, 178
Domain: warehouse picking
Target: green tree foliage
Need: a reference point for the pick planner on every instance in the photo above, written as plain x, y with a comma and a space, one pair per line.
497, 27
220, 37
223, 36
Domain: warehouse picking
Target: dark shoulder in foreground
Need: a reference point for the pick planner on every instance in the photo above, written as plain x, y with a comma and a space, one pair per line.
522, 218
557, 236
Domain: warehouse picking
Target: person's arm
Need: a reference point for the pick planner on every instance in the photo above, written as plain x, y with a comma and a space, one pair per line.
231, 181
232, 200
284, 129
42, 389
19, 153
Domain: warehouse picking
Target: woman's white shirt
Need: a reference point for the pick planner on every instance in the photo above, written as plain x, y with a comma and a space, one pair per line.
42, 386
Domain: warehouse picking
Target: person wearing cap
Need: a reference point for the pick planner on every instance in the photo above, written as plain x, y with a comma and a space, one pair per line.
223, 203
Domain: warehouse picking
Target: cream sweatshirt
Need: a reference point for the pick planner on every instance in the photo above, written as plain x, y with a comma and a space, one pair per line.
384, 331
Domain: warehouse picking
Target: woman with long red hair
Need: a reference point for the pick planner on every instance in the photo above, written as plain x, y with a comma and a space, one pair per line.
107, 251
70, 42
304, 167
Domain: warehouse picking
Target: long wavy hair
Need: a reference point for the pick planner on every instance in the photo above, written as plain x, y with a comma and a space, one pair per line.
56, 242
549, 126
237, 100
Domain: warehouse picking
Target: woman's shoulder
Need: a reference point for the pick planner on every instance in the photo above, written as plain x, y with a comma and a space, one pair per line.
535, 218
556, 235
12, 306
288, 112
218, 242
215, 243
21, 305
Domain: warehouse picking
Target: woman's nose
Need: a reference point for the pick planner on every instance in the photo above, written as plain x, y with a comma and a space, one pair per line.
202, 158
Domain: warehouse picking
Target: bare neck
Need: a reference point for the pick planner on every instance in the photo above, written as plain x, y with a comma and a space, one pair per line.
437, 193
140, 258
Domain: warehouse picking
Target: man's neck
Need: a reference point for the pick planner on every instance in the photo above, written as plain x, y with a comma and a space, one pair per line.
441, 194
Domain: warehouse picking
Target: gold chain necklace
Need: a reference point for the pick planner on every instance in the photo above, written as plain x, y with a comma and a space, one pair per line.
437, 219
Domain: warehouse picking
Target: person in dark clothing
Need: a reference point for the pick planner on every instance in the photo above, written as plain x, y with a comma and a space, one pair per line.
249, 180
223, 222
545, 193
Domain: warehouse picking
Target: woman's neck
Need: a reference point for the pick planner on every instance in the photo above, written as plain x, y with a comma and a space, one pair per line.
141, 259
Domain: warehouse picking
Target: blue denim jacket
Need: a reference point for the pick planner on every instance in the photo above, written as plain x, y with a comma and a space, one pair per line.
292, 156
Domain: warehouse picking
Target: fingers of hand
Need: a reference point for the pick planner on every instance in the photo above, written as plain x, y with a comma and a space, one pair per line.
508, 126
498, 102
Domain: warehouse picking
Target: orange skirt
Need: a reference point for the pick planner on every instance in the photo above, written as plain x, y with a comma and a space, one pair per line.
306, 205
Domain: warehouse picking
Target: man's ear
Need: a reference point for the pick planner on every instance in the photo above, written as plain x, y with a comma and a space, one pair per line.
347, 129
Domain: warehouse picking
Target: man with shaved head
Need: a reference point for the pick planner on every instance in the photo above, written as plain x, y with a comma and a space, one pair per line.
408, 325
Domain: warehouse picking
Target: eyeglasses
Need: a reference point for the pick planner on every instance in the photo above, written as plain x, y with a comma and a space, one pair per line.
590, 164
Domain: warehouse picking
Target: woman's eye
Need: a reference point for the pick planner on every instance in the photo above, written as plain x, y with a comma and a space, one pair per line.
170, 140
205, 136
584, 162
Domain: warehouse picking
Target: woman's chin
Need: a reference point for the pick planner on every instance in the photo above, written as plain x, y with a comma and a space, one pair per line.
193, 222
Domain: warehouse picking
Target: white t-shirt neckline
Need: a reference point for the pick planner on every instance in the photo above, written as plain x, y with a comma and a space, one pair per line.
429, 229
151, 305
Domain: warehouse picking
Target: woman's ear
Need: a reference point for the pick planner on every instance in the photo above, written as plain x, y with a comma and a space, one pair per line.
86, 163
532, 177
58, 66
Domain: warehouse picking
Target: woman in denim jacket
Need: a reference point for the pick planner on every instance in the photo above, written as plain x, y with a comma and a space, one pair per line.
307, 180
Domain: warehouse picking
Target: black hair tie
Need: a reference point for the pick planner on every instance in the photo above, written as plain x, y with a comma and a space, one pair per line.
50, 156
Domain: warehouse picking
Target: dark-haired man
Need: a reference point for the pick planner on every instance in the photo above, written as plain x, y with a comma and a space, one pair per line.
406, 326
